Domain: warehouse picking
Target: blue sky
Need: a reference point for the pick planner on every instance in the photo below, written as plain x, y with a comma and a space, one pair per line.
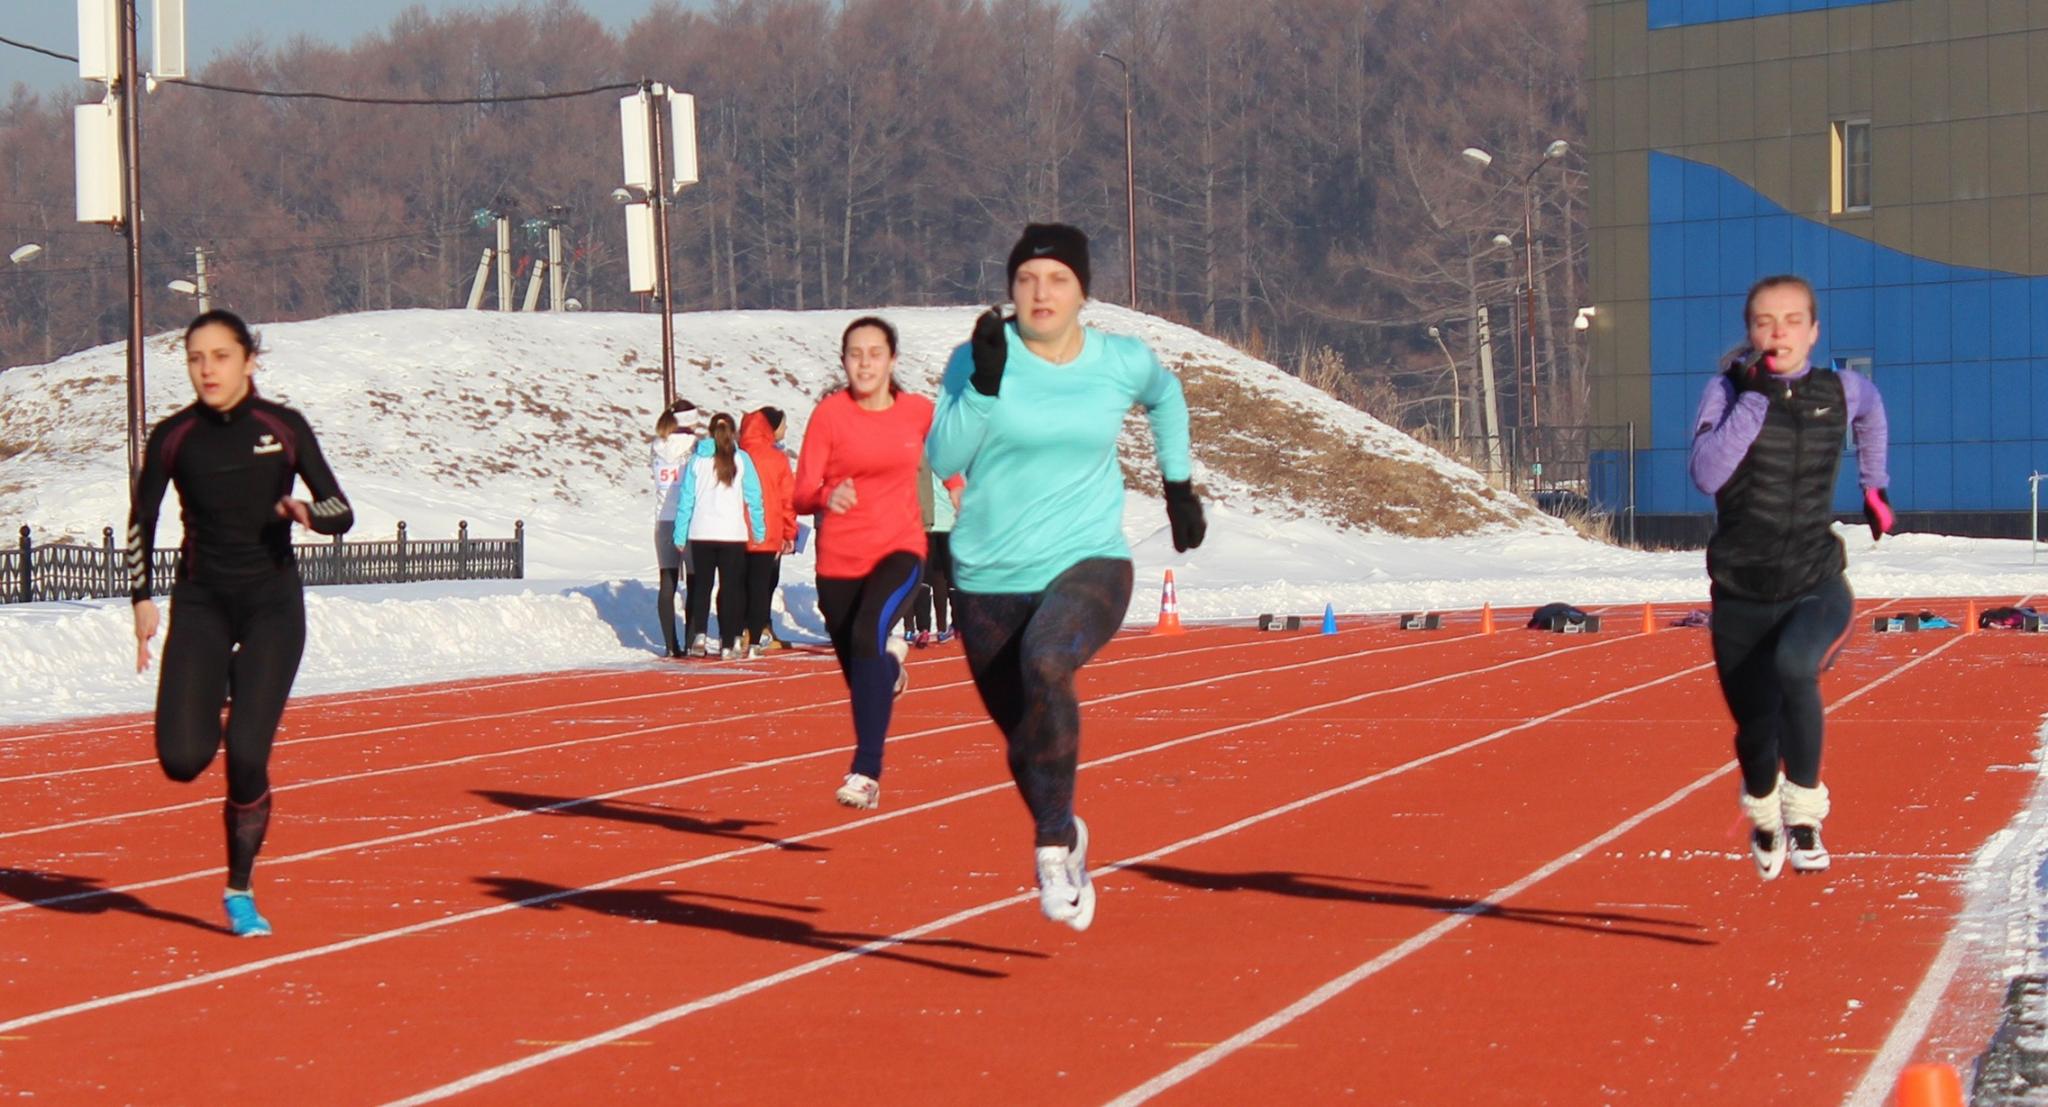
212, 25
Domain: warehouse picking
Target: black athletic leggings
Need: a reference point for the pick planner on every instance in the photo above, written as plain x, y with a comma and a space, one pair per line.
1023, 651
764, 572
1769, 657
860, 613
242, 643
729, 561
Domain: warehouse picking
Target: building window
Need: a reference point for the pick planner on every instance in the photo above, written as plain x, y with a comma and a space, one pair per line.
1857, 365
1851, 191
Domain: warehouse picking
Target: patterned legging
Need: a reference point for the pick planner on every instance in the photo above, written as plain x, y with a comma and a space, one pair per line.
1023, 650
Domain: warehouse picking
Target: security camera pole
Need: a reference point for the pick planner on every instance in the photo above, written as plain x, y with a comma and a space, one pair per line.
657, 102
647, 119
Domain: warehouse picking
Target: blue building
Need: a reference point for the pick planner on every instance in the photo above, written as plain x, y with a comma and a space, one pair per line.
1894, 153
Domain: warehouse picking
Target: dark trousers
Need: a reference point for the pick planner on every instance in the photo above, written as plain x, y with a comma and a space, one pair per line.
859, 614
728, 562
1023, 651
934, 593
764, 573
1769, 657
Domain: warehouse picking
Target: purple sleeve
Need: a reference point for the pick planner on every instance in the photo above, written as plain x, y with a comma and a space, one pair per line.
1723, 432
1873, 436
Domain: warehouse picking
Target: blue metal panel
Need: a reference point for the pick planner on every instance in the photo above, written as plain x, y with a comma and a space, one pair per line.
1772, 7
1666, 13
1852, 261
1970, 320
1702, 257
2006, 487
1930, 322
1737, 198
1894, 326
1773, 244
2010, 318
1667, 336
1738, 9
2011, 401
1932, 419
1970, 401
1971, 476
1737, 246
1851, 317
1933, 479
1673, 402
1810, 251
1700, 11
2040, 388
1667, 260
1702, 191
1898, 465
1893, 267
1708, 334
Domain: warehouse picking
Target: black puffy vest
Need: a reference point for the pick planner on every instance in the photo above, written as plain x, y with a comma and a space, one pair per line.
1771, 538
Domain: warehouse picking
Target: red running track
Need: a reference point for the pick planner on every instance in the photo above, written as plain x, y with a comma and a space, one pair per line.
1396, 867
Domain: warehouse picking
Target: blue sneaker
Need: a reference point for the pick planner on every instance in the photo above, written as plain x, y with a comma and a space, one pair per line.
243, 918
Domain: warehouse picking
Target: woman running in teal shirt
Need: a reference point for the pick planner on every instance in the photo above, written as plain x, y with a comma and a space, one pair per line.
1030, 413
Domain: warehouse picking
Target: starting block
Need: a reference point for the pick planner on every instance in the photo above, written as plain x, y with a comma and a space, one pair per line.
1896, 624
1426, 620
1575, 624
1276, 622
2032, 624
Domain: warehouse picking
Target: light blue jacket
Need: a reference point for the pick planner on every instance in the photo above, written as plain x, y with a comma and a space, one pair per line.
750, 490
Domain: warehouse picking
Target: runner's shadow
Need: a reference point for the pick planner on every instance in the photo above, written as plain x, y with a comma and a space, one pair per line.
681, 907
85, 895
642, 814
1315, 886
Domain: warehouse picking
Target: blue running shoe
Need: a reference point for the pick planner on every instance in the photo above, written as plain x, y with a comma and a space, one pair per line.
243, 918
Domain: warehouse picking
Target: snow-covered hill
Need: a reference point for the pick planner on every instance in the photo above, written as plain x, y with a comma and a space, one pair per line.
434, 416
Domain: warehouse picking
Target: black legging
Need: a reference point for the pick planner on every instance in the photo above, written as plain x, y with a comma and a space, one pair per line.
859, 614
665, 607
1023, 651
933, 594
1769, 657
203, 669
764, 572
729, 561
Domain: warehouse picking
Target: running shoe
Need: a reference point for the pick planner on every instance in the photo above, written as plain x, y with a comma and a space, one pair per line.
1807, 855
945, 636
899, 650
1767, 848
701, 647
924, 639
1064, 892
862, 792
728, 653
243, 918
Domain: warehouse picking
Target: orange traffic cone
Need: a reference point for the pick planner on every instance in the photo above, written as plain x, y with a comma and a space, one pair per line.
1169, 609
1649, 619
1970, 619
1486, 618
1930, 1086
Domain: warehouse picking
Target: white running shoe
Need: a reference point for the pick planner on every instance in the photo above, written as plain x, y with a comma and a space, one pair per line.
1807, 854
1064, 892
701, 647
1804, 810
862, 792
900, 650
1767, 834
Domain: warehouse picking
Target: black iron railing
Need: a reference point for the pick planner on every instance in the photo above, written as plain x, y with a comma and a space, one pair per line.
69, 571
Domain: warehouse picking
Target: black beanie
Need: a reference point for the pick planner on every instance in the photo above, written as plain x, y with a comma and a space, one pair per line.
1058, 241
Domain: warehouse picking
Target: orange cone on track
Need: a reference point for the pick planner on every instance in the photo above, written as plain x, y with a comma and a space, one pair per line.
1649, 619
1169, 609
1930, 1086
1970, 619
1486, 619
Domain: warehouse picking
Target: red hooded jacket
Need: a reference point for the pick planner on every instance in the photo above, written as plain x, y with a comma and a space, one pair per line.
778, 508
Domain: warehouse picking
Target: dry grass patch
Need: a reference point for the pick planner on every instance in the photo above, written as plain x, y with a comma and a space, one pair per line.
1268, 443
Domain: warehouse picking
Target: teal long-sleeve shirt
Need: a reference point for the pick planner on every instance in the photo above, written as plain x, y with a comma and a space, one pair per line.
1044, 489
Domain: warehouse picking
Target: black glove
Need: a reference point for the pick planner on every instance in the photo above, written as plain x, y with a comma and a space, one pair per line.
1184, 515
991, 348
1877, 511
1752, 373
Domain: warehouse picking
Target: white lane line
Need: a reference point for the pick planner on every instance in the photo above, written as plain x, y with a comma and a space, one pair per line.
722, 721
835, 750
1250, 1035
684, 690
379, 937
741, 991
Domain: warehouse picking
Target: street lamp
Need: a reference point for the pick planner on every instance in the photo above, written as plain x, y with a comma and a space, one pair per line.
1130, 177
1457, 394
1553, 152
26, 253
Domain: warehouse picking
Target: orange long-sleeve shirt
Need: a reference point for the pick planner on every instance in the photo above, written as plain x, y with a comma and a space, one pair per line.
879, 451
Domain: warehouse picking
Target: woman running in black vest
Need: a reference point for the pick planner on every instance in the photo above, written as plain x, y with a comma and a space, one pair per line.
1766, 446
238, 621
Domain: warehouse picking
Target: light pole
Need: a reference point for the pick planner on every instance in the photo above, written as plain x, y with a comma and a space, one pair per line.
1130, 177
1551, 153
1457, 394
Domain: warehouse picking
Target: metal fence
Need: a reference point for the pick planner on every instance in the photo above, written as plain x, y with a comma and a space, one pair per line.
69, 571
1567, 470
